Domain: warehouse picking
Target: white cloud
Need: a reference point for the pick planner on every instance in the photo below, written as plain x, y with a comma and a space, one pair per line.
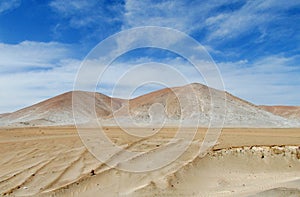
164, 39
127, 75
31, 55
253, 15
33, 71
20, 90
270, 80
6, 5
203, 15
85, 13
75, 11
182, 15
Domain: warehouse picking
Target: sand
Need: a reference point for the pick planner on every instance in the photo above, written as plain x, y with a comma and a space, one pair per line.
52, 161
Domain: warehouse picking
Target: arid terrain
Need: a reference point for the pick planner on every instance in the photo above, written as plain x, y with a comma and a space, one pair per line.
195, 103
52, 161
149, 98
256, 154
292, 112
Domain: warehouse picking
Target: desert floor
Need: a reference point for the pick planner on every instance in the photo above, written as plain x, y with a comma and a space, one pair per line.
52, 161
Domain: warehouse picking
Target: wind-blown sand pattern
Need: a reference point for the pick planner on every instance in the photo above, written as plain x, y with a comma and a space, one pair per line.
52, 161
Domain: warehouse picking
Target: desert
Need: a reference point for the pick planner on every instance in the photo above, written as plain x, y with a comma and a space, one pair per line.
52, 161
143, 98
44, 153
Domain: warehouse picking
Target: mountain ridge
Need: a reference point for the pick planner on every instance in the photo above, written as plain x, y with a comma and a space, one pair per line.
196, 106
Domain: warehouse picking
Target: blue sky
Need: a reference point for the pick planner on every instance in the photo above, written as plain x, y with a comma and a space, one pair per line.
255, 44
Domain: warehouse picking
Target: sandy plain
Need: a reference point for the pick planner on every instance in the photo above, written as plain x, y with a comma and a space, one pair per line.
53, 161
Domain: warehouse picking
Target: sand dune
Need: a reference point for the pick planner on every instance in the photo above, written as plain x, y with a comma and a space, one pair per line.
53, 161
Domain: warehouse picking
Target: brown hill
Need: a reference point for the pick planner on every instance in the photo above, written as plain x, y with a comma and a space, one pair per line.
58, 110
5, 114
291, 112
192, 102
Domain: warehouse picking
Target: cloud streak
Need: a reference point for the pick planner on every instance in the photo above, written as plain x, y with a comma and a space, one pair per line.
33, 71
7, 5
30, 55
271, 80
93, 18
252, 15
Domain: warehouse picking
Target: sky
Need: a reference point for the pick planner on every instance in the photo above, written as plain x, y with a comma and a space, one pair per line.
255, 45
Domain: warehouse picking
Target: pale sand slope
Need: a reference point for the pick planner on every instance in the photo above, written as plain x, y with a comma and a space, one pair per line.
246, 162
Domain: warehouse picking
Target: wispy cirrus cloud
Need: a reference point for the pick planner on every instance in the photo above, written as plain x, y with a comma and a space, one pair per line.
219, 19
6, 5
232, 27
252, 15
93, 18
78, 12
182, 15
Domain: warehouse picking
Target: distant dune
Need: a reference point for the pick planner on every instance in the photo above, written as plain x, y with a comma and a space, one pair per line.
191, 102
